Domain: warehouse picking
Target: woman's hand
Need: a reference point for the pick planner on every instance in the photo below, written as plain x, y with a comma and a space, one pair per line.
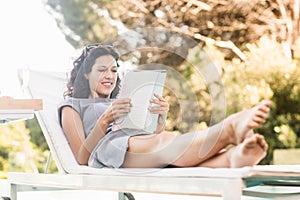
117, 109
162, 109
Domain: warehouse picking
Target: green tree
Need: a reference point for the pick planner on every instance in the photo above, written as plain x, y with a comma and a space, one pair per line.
229, 24
36, 134
268, 73
18, 153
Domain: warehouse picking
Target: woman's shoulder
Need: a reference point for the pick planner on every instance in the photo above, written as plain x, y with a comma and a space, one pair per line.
71, 101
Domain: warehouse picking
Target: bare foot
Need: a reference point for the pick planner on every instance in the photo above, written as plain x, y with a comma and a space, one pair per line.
250, 152
241, 124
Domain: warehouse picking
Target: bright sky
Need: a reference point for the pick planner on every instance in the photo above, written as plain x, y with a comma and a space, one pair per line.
29, 38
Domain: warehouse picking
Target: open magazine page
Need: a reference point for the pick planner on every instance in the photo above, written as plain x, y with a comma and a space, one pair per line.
140, 86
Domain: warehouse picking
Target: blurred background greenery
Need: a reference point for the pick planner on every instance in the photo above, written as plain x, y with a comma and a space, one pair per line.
254, 45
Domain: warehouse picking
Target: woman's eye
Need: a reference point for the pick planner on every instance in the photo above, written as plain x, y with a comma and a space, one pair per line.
114, 70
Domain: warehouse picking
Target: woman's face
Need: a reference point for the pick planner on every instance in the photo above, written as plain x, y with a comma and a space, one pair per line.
103, 77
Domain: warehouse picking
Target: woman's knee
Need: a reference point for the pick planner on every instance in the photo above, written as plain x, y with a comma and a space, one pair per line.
150, 143
164, 140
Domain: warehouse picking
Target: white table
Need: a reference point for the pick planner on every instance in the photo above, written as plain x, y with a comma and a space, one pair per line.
18, 109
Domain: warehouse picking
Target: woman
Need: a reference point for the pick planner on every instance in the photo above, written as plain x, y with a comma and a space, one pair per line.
87, 116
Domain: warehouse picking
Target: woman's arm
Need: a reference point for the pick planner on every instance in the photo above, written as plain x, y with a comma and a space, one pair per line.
73, 129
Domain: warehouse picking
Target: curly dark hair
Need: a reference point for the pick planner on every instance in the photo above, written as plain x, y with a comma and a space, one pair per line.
78, 85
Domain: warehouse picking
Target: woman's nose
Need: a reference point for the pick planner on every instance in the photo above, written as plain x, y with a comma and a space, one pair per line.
108, 74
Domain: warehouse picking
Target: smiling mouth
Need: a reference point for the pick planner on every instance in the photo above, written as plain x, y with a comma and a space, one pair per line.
107, 83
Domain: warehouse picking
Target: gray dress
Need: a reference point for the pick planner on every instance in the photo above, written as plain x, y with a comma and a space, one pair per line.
111, 149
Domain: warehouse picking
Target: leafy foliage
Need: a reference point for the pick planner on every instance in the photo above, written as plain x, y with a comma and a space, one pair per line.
235, 22
268, 73
36, 134
80, 22
18, 153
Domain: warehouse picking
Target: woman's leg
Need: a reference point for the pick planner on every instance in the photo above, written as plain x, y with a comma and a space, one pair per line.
193, 148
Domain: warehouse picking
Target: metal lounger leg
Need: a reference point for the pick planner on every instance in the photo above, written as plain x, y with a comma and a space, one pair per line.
126, 195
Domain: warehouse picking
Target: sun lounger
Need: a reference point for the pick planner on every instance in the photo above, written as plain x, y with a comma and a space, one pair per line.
224, 182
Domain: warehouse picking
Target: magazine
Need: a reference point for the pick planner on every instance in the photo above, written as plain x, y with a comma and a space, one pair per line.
140, 86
